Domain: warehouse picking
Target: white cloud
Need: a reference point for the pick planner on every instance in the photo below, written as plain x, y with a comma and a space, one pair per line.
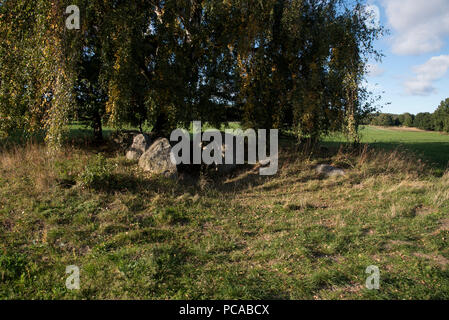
420, 25
373, 16
374, 70
426, 74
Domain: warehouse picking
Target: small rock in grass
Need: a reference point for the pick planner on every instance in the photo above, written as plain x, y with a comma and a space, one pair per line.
329, 171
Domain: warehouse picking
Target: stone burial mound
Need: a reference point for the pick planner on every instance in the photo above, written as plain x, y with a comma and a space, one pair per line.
158, 157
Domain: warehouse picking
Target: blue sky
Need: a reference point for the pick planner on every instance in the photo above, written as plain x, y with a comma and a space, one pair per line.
414, 74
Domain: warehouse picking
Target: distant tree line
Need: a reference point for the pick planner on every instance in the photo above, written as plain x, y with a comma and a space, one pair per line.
437, 121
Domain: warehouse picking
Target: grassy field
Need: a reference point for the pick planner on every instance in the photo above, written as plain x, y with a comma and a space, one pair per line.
430, 146
296, 235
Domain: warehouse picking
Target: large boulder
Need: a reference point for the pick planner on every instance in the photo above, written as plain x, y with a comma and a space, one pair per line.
140, 145
329, 171
158, 159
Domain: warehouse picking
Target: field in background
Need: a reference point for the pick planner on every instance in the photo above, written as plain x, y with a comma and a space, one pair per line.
430, 146
297, 235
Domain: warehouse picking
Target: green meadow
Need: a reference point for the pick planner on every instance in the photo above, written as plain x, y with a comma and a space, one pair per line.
296, 235
427, 145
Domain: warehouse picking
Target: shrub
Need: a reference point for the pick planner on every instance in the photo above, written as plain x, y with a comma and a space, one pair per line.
406, 119
441, 116
383, 119
424, 121
97, 174
12, 266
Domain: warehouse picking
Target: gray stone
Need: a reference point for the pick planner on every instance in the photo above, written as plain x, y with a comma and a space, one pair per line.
133, 155
158, 159
267, 162
141, 143
329, 171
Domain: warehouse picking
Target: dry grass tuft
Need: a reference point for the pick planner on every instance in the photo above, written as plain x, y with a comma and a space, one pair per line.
35, 165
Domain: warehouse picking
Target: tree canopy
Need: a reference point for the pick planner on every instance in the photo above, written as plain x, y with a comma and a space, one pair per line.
441, 116
294, 64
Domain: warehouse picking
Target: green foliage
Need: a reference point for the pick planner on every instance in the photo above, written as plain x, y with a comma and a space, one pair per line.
97, 174
386, 119
296, 64
424, 121
91, 97
12, 266
37, 59
316, 90
406, 119
441, 116
383, 119
437, 121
